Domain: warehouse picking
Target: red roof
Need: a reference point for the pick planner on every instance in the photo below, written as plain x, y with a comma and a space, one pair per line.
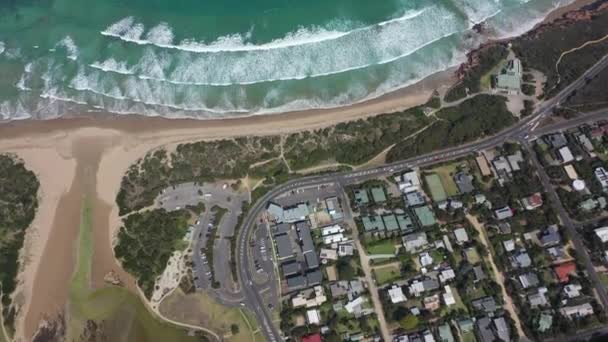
312, 338
564, 270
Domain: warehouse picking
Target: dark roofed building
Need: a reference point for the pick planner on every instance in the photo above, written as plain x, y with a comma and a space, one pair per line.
296, 282
312, 261
281, 228
314, 277
485, 304
290, 268
305, 238
464, 182
284, 248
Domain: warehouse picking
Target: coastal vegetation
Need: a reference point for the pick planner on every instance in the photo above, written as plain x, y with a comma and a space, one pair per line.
542, 48
481, 62
147, 240
474, 118
18, 204
592, 96
352, 142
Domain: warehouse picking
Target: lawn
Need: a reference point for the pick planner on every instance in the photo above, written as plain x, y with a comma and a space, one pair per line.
445, 173
387, 273
123, 314
469, 336
202, 310
381, 247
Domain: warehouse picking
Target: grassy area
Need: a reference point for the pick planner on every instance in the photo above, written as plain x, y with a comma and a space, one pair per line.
117, 312
387, 273
202, 310
603, 278
445, 173
458, 306
381, 247
468, 337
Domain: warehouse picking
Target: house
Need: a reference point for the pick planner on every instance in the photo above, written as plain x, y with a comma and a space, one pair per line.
355, 305
503, 213
545, 322
577, 311
446, 275
465, 325
432, 303
563, 271
502, 329
479, 273
412, 242
414, 198
509, 80
515, 160
502, 167
521, 259
538, 298
491, 330
312, 338
425, 215
408, 182
602, 176
532, 202
426, 259
585, 141
550, 236
445, 333
483, 165
333, 208
571, 171
572, 290
461, 235
528, 280
361, 197
417, 287
602, 233
565, 154
313, 316
378, 194
339, 289
557, 140
329, 254
396, 295
464, 182
486, 304
346, 250
448, 296
509, 245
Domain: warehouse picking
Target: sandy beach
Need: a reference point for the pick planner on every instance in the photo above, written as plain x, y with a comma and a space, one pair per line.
67, 153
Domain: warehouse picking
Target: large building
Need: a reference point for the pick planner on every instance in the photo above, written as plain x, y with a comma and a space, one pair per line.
510, 79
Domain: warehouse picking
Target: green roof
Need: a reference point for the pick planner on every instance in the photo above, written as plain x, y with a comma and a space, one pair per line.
371, 223
390, 221
378, 194
425, 215
361, 196
446, 333
405, 222
437, 191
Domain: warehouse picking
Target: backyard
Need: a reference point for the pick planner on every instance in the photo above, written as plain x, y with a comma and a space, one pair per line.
387, 273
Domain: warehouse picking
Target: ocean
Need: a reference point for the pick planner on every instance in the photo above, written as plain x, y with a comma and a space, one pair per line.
214, 59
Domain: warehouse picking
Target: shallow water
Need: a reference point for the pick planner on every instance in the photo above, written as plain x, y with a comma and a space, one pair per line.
209, 59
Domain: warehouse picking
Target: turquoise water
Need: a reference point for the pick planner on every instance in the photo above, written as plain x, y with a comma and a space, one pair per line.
209, 59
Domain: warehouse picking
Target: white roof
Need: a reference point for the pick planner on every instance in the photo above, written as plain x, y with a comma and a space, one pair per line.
578, 184
571, 171
565, 154
350, 306
397, 295
602, 233
313, 316
461, 235
509, 245
448, 296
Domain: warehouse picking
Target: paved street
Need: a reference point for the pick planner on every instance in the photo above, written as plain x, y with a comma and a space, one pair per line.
519, 131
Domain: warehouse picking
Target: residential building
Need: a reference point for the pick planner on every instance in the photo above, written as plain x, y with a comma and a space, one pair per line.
479, 273
432, 303
565, 154
550, 236
538, 298
333, 208
545, 322
445, 333
571, 172
483, 165
532, 202
346, 250
521, 259
461, 235
413, 242
509, 245
396, 295
563, 271
408, 182
464, 182
577, 311
515, 160
448, 296
312, 338
503, 213
602, 233
417, 287
572, 290
528, 280
313, 316
485, 304
602, 176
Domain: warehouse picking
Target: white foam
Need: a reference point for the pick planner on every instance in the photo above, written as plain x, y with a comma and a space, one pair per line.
70, 46
128, 30
2, 47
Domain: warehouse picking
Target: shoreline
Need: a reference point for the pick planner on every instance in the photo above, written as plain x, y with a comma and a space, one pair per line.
46, 147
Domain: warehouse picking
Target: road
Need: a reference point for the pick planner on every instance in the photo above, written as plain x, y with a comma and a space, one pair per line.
520, 131
579, 246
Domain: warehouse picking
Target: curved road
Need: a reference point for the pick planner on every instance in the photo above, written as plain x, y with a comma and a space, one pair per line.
521, 130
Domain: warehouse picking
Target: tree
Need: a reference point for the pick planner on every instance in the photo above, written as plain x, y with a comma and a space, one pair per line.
410, 322
234, 328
